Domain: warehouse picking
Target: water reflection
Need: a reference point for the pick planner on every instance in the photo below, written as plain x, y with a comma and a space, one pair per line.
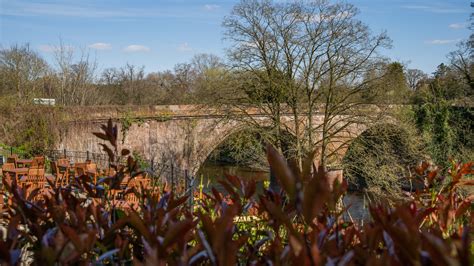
210, 173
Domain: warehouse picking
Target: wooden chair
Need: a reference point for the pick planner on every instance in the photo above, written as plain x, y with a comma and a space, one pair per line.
34, 180
91, 170
8, 166
63, 161
12, 159
61, 177
78, 169
128, 201
38, 162
140, 184
118, 193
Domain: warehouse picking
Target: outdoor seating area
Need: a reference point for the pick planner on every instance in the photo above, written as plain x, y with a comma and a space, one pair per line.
33, 176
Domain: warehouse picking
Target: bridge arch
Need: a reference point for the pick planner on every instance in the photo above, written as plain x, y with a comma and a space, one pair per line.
213, 140
287, 139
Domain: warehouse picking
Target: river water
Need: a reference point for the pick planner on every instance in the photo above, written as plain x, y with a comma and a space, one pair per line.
210, 172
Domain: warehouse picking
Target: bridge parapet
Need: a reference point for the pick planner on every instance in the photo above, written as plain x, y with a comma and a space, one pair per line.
102, 113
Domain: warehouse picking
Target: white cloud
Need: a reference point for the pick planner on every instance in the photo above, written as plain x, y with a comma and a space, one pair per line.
184, 47
442, 41
53, 48
210, 7
457, 26
416, 7
51, 9
323, 17
47, 48
435, 8
89, 9
100, 46
136, 48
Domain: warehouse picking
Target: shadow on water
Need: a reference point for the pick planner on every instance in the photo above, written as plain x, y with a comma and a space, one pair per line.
211, 172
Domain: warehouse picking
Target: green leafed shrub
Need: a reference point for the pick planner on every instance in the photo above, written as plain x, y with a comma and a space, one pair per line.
32, 130
381, 158
242, 148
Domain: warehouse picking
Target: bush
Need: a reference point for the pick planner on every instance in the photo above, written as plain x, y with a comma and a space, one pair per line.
302, 225
447, 131
381, 158
243, 148
33, 130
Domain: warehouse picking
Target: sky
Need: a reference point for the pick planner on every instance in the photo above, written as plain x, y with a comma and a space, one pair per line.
158, 34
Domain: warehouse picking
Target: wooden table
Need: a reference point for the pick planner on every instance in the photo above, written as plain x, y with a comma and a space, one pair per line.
16, 172
72, 170
24, 162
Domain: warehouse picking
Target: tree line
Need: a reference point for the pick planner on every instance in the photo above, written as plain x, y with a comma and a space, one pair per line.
73, 78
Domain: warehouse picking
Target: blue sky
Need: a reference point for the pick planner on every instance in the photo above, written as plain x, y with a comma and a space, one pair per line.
160, 33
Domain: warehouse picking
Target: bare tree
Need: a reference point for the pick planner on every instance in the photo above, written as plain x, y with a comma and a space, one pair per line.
414, 76
471, 27
76, 78
463, 61
109, 76
131, 73
210, 76
21, 69
131, 79
255, 30
205, 62
307, 57
64, 57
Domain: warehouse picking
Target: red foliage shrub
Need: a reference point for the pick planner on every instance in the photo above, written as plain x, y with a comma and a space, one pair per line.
302, 225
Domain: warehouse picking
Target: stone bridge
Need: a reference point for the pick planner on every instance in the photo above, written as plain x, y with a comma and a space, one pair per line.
183, 134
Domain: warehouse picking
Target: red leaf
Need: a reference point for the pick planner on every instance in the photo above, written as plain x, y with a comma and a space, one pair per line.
465, 205
139, 224
250, 188
174, 203
73, 236
177, 230
316, 195
235, 181
217, 195
282, 170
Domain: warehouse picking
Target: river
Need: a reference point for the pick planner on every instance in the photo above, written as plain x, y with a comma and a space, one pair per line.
210, 172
